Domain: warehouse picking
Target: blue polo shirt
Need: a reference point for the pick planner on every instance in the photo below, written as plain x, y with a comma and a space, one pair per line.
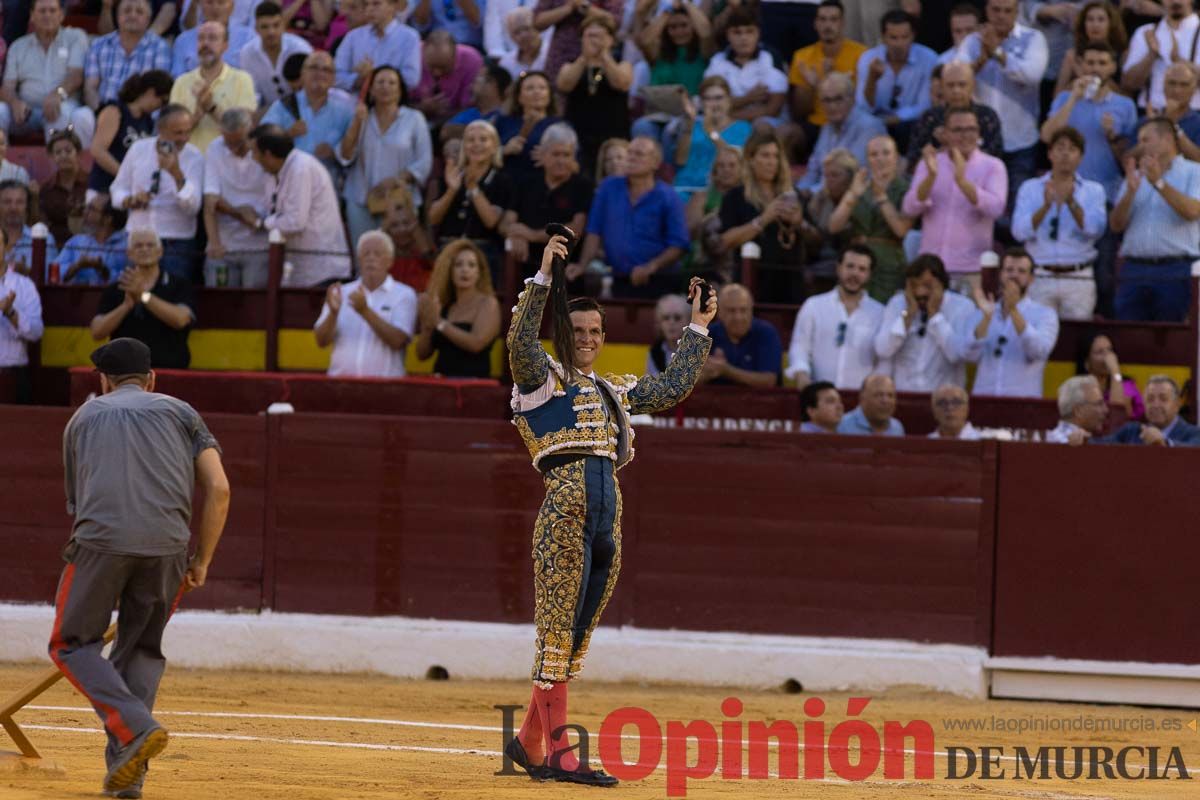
759, 351
326, 126
855, 424
634, 233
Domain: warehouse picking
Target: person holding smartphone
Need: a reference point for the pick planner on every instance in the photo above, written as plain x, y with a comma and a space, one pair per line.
160, 184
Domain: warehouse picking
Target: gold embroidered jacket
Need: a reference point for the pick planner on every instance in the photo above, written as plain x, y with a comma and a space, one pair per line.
572, 420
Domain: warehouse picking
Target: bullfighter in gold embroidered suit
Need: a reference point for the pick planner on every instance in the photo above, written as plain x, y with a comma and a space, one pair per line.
576, 426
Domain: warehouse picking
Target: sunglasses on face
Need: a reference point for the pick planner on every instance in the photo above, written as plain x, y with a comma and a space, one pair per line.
946, 403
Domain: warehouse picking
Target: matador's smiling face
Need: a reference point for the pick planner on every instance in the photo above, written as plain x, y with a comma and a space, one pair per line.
588, 330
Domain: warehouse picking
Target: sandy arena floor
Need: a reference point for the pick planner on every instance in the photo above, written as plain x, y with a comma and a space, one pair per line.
270, 736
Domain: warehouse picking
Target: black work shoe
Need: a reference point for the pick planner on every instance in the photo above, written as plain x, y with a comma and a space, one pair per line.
126, 771
588, 777
516, 753
132, 792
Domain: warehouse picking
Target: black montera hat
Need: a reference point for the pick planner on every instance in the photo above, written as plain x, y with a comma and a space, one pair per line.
122, 357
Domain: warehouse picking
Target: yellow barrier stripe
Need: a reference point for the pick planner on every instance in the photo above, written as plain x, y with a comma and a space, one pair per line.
217, 349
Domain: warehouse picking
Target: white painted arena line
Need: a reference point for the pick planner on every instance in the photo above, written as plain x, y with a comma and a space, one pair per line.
382, 721
231, 737
299, 717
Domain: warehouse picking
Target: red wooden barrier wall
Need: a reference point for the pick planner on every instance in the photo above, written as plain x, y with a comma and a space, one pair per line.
1088, 551
1097, 553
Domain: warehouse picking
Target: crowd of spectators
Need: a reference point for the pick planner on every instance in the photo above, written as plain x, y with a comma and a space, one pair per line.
880, 156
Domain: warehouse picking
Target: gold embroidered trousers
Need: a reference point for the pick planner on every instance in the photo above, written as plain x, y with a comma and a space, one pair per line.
576, 559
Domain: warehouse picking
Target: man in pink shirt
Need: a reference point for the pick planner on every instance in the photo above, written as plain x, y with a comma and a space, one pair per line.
447, 71
959, 191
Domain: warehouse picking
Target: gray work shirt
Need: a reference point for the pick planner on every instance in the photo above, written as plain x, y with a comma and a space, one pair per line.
130, 461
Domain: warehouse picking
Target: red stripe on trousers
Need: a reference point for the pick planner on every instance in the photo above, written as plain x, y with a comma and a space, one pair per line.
178, 598
112, 718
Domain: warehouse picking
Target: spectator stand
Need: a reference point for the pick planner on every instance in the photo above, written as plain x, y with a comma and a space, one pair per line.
271, 329
1146, 348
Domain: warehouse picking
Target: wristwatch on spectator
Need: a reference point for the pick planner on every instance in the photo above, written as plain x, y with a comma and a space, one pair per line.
145, 297
998, 53
1160, 184
441, 326
259, 224
62, 93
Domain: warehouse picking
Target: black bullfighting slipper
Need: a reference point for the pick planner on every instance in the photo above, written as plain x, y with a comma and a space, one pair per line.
516, 753
583, 775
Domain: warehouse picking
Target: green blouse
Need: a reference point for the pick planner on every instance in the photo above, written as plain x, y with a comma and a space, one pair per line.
681, 70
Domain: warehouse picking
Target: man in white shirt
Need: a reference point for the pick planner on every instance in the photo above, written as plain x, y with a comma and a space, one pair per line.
304, 207
923, 329
951, 407
264, 56
1156, 46
369, 321
498, 39
1013, 335
1010, 60
758, 87
237, 194
160, 183
833, 339
20, 324
529, 47
1060, 217
43, 76
1081, 411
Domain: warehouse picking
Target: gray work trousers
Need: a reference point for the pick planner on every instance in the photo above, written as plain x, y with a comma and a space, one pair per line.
146, 589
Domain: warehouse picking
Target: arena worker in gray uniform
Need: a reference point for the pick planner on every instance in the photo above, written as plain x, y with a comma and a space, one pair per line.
132, 458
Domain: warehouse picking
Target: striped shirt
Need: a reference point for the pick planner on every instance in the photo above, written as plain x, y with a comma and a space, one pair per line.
108, 62
1155, 230
1013, 90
